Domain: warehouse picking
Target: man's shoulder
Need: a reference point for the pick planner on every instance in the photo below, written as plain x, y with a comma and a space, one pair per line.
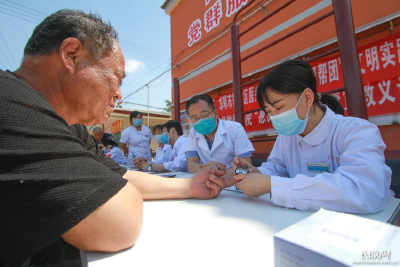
183, 139
14, 90
232, 127
232, 124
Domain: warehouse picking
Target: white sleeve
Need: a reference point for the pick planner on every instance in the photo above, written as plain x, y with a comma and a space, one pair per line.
360, 185
125, 136
150, 134
241, 142
191, 146
157, 156
179, 163
118, 156
275, 164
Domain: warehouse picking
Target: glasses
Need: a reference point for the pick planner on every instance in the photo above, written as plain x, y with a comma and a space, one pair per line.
206, 115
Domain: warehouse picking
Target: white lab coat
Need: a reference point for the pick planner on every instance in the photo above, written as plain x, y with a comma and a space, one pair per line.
137, 141
117, 156
178, 161
230, 140
358, 180
162, 154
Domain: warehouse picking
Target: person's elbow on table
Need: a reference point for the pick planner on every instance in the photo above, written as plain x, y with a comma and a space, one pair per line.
113, 226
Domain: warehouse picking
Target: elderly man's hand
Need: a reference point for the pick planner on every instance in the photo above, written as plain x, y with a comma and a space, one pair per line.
213, 165
138, 162
207, 184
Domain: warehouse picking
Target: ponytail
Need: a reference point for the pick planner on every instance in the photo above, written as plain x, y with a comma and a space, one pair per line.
333, 103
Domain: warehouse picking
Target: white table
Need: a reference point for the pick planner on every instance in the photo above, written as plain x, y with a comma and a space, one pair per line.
231, 230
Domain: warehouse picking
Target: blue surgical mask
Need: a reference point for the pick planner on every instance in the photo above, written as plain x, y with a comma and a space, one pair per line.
165, 138
205, 126
288, 123
137, 122
158, 138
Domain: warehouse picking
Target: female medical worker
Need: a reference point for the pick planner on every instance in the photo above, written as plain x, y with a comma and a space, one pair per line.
138, 137
320, 159
163, 150
111, 149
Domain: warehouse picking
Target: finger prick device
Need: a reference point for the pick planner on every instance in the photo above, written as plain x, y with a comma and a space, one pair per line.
242, 169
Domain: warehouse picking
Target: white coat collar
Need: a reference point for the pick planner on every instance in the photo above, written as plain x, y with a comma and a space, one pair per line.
217, 138
166, 147
321, 131
178, 141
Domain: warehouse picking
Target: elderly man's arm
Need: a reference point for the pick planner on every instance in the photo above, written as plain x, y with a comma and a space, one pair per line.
204, 184
113, 226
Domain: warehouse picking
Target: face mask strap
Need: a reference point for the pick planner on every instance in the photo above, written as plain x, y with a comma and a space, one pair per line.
299, 100
308, 110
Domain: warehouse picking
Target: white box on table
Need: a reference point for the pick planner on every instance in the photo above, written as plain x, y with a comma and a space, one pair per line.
329, 238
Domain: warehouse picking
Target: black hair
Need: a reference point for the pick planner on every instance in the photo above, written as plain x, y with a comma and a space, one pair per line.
174, 124
292, 77
110, 141
197, 98
333, 103
94, 34
134, 114
158, 126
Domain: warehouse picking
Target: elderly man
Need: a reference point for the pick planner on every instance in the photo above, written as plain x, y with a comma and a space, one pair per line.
51, 186
101, 136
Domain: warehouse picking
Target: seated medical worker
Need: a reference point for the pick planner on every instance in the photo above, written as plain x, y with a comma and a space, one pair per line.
320, 159
172, 135
163, 150
112, 150
213, 143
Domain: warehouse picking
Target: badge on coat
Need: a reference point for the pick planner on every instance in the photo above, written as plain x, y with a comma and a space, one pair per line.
318, 167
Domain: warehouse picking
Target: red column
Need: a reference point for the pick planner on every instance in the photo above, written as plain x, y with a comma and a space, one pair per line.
353, 83
237, 73
177, 104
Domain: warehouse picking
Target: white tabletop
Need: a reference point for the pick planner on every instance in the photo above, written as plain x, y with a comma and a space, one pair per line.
231, 230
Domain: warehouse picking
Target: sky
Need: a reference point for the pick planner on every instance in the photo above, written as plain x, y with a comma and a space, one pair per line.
144, 37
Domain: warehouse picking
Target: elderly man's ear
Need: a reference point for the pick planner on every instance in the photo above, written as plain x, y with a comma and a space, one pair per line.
71, 51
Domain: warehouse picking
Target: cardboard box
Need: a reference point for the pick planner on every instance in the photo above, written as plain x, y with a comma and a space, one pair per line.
329, 238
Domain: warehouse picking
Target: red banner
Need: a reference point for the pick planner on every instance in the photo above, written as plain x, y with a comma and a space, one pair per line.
379, 60
254, 121
249, 97
380, 68
382, 97
116, 127
224, 106
257, 121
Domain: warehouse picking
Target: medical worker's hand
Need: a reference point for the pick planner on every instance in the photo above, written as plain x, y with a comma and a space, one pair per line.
253, 184
239, 161
138, 162
207, 184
